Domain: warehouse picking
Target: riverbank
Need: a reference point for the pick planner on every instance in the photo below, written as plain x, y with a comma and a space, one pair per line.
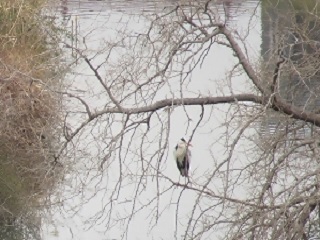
29, 68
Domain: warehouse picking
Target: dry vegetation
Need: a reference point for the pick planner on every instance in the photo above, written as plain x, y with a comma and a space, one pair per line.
28, 110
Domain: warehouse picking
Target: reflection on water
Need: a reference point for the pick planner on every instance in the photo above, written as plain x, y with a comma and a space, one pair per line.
92, 7
85, 7
99, 12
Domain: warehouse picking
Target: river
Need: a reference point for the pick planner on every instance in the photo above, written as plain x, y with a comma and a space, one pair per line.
85, 211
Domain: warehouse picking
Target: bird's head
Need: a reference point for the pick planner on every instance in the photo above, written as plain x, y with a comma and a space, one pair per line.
184, 143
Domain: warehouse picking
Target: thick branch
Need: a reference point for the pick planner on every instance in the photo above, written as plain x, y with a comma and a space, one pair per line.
243, 60
279, 105
185, 101
296, 112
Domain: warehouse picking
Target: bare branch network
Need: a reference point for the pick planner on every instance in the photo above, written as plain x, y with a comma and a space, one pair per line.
260, 177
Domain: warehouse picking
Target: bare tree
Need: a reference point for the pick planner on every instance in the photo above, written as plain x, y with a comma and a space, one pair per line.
261, 179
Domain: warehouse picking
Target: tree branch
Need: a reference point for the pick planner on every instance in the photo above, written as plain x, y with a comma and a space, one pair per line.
185, 101
243, 60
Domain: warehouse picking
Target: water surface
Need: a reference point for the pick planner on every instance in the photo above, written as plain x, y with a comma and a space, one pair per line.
83, 216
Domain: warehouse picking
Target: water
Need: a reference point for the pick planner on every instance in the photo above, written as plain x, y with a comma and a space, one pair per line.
88, 212
87, 7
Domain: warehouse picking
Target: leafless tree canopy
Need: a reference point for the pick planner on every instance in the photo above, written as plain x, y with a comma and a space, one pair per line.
260, 176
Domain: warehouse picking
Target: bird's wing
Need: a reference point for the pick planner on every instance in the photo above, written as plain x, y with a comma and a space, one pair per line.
189, 152
189, 155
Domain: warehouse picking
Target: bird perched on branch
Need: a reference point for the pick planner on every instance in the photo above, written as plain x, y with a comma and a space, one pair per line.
182, 155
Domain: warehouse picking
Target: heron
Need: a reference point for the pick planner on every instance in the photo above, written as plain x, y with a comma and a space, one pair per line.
182, 155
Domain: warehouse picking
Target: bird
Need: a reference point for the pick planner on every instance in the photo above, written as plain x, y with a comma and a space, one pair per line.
182, 156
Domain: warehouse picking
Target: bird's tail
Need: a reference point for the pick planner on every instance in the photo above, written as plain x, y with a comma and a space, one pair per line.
184, 172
